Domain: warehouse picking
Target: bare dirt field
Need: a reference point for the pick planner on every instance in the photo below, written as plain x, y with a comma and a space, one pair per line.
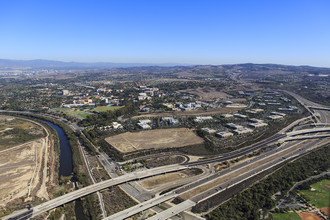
154, 139
309, 216
224, 110
207, 93
24, 172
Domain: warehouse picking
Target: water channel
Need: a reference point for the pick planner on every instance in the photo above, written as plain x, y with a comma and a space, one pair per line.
66, 165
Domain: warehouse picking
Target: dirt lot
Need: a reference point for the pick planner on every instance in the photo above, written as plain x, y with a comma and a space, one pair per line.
207, 93
154, 139
309, 216
224, 110
24, 170
326, 211
156, 181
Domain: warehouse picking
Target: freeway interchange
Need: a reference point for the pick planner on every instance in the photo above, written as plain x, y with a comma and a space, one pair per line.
209, 185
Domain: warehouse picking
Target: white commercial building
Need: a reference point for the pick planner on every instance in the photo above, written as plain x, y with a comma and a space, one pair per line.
144, 124
226, 115
209, 130
202, 118
243, 131
278, 113
240, 116
234, 126
257, 110
257, 125
224, 134
275, 117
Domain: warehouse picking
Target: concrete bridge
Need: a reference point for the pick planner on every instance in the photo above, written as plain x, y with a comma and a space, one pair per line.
308, 131
304, 137
319, 108
44, 207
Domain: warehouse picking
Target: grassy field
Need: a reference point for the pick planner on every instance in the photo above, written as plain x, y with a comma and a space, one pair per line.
286, 216
106, 108
76, 112
83, 115
73, 112
319, 197
60, 109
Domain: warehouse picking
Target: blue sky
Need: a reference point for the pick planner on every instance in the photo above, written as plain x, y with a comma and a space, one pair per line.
159, 31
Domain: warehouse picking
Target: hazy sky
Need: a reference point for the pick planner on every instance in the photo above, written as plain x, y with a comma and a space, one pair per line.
158, 31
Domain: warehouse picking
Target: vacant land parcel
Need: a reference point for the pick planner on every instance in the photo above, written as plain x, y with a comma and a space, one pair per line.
207, 93
14, 131
154, 139
24, 171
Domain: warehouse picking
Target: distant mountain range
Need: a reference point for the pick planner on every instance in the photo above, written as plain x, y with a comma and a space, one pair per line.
60, 65
40, 64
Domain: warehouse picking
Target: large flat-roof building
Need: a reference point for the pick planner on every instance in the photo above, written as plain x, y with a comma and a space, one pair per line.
278, 113
144, 124
240, 115
203, 118
224, 134
258, 125
257, 110
234, 126
243, 131
254, 120
274, 117
226, 115
209, 130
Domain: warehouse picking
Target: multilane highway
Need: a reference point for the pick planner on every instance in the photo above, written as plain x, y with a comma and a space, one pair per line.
238, 174
229, 177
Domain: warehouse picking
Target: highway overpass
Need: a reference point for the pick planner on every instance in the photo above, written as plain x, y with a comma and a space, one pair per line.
51, 204
304, 137
307, 131
241, 173
319, 108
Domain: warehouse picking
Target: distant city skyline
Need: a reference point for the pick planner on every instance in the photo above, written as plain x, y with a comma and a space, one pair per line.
167, 31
